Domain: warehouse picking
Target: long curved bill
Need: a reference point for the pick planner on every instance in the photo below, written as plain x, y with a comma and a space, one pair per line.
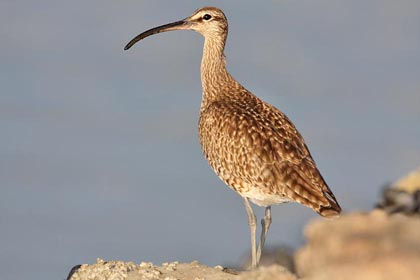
177, 25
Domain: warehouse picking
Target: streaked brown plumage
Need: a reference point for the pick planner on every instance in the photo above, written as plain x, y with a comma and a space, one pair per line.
251, 145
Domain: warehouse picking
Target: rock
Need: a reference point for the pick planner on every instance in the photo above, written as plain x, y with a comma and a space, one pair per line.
361, 246
403, 195
73, 270
190, 271
111, 270
117, 270
409, 183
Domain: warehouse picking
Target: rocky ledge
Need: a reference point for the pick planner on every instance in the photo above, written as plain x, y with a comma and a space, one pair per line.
373, 245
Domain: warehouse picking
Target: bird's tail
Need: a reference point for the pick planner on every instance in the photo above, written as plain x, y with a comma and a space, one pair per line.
332, 209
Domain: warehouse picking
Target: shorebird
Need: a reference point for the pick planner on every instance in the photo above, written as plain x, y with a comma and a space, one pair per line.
251, 145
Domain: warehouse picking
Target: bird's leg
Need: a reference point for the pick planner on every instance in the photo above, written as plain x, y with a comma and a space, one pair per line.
265, 226
253, 228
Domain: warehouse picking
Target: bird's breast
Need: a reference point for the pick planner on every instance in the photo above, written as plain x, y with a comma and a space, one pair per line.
235, 150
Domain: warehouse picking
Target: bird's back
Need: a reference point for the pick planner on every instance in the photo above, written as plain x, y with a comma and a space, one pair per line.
257, 151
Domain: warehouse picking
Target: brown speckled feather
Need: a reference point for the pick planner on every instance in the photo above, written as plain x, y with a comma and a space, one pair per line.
257, 151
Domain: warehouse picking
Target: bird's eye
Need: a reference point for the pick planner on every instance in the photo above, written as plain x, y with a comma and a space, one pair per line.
207, 17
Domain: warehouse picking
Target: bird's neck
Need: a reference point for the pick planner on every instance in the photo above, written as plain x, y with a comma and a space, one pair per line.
214, 75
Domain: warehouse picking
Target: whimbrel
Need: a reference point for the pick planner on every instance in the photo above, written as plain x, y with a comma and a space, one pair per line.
251, 145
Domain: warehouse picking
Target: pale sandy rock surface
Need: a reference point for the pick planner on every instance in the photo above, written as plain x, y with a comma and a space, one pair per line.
410, 182
183, 271
117, 270
403, 196
361, 246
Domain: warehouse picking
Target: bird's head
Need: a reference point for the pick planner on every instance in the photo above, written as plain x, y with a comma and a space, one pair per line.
208, 21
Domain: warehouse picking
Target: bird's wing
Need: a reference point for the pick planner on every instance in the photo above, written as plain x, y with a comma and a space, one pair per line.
276, 144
